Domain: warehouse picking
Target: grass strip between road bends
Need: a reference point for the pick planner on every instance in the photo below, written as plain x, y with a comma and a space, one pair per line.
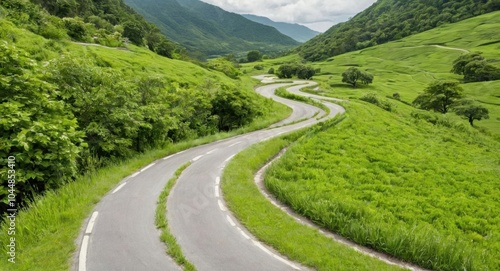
276, 228
173, 248
283, 93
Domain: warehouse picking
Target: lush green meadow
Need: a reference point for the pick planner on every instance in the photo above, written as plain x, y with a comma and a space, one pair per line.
421, 192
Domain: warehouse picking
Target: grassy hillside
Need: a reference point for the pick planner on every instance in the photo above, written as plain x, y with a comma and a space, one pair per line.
409, 65
387, 177
210, 30
420, 192
108, 22
389, 20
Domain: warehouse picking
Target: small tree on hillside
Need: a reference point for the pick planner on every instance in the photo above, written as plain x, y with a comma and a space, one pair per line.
286, 71
305, 72
439, 96
471, 111
254, 55
355, 77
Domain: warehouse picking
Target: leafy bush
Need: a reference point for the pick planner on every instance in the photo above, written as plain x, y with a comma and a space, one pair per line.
373, 99
35, 128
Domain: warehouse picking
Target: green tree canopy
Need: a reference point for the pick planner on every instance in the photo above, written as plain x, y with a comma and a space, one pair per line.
355, 77
254, 55
471, 111
462, 61
439, 96
475, 68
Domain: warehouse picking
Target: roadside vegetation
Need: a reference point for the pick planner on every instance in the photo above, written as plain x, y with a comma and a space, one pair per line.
274, 227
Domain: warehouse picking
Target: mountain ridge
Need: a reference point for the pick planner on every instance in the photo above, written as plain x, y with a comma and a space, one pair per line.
210, 30
389, 20
298, 32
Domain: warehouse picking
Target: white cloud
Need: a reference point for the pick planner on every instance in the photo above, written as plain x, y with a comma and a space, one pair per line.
317, 14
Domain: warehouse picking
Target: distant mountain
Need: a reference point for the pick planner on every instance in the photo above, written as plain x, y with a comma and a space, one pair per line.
389, 20
205, 28
298, 32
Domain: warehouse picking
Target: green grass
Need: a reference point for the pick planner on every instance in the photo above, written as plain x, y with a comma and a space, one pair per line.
173, 248
282, 92
274, 227
421, 192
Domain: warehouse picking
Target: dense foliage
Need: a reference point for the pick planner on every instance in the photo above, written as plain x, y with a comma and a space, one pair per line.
421, 192
66, 110
35, 128
109, 22
301, 71
389, 20
475, 68
206, 30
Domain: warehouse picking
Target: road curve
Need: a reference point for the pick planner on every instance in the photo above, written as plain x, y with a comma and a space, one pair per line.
121, 233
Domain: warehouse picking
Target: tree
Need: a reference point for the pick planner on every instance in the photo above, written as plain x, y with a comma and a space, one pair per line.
134, 32
305, 72
475, 68
286, 71
355, 77
439, 96
471, 112
462, 61
254, 55
234, 108
480, 71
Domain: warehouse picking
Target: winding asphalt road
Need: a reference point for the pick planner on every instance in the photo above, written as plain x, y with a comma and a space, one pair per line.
121, 233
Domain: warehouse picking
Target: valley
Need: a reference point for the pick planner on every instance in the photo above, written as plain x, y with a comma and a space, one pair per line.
102, 108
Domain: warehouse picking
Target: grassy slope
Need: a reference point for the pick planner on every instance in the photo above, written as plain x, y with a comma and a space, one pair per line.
399, 169
272, 226
46, 231
421, 192
408, 65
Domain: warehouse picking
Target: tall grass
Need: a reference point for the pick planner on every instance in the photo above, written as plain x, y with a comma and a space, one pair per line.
276, 228
424, 193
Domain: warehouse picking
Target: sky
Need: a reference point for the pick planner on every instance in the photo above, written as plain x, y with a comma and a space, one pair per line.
315, 14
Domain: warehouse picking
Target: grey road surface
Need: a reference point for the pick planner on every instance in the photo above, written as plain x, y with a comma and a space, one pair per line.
121, 234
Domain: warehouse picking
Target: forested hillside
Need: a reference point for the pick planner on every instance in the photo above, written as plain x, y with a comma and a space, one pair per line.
67, 108
108, 22
298, 32
389, 20
210, 30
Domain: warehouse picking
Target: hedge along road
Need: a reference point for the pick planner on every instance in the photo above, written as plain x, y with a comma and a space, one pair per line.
121, 232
